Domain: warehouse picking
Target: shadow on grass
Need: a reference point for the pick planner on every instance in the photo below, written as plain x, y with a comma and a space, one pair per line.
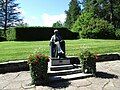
105, 75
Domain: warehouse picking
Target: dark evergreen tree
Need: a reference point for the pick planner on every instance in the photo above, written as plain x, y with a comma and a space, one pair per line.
105, 9
9, 14
72, 14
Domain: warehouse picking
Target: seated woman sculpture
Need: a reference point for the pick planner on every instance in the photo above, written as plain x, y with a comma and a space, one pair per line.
55, 40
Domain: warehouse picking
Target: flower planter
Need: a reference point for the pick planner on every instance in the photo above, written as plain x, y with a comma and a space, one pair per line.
89, 67
87, 59
38, 65
39, 73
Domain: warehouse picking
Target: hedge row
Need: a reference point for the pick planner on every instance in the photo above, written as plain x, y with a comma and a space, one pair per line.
2, 38
38, 33
1, 32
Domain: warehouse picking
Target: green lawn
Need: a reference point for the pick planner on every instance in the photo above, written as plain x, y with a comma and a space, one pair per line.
14, 50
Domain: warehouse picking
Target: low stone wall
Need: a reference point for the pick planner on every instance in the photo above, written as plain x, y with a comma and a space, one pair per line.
14, 66
99, 58
108, 57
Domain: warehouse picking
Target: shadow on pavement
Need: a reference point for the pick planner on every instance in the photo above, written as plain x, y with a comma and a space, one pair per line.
59, 85
105, 75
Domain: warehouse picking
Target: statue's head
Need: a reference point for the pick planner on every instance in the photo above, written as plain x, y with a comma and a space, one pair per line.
56, 31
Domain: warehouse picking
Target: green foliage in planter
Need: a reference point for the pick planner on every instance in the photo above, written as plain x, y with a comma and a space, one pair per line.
87, 59
38, 64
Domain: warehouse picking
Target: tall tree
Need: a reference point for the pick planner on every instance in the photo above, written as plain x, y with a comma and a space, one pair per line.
9, 14
72, 14
106, 9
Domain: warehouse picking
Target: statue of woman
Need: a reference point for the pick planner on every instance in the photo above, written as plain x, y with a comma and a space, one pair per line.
56, 39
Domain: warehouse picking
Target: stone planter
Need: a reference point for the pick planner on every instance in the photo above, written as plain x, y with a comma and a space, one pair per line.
89, 66
39, 73
88, 61
38, 64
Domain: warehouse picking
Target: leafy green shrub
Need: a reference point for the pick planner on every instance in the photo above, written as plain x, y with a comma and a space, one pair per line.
38, 64
117, 33
37, 58
90, 27
82, 22
11, 34
98, 28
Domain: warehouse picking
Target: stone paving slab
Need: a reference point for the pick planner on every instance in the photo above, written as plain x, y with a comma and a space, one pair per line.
107, 78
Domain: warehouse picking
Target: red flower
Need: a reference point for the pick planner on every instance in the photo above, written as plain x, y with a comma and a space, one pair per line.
96, 57
36, 61
37, 58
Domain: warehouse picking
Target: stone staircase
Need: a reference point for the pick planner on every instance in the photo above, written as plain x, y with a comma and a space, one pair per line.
62, 69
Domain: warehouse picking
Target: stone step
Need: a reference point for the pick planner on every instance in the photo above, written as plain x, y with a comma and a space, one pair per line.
70, 77
63, 67
64, 72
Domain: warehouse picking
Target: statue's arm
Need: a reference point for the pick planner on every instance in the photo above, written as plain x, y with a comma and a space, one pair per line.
51, 40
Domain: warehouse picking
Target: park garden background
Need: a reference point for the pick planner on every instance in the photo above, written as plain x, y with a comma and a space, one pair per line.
95, 24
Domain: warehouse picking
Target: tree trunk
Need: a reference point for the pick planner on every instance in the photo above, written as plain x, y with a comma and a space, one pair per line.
5, 27
111, 11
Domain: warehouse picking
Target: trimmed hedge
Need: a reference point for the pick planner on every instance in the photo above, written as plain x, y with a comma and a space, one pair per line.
2, 39
38, 33
1, 32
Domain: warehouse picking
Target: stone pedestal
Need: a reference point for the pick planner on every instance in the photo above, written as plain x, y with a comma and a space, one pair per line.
57, 61
65, 61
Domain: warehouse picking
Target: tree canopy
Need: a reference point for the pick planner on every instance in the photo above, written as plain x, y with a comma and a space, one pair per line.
99, 19
57, 24
73, 13
106, 9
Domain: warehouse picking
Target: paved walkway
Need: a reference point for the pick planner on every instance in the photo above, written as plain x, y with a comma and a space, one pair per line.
108, 78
